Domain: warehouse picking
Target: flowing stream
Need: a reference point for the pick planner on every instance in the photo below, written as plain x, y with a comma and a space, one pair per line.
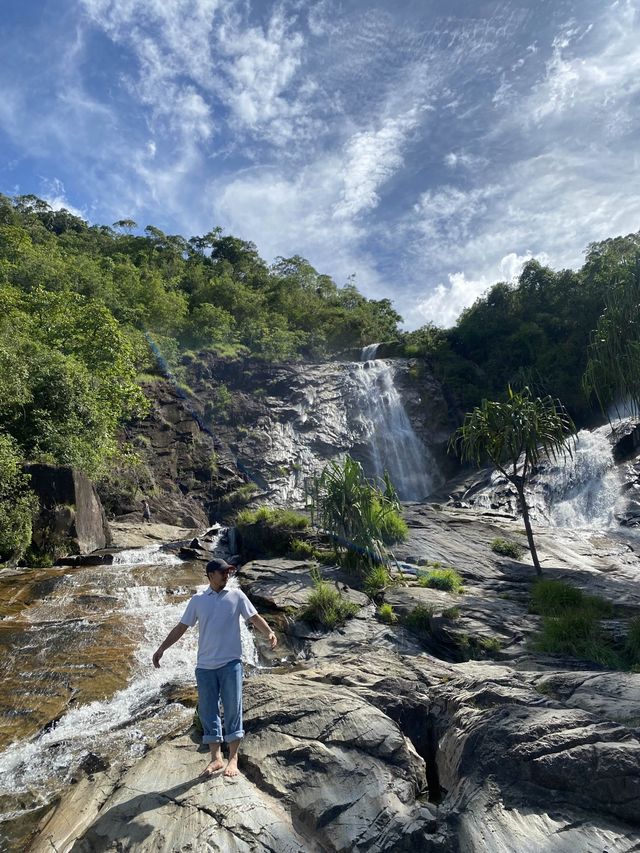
78, 686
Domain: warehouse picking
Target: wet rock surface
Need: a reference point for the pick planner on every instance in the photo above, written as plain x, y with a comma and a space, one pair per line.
382, 739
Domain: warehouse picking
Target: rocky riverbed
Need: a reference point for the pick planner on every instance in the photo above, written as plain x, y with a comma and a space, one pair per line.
375, 738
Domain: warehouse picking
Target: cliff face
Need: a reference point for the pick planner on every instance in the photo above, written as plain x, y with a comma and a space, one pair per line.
283, 423
248, 430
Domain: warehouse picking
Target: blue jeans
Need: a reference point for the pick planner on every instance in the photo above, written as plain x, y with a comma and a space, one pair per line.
224, 683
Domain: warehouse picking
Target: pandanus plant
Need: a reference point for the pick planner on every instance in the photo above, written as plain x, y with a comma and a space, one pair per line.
515, 435
360, 517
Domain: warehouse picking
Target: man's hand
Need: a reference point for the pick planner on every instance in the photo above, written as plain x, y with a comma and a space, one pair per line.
262, 626
172, 637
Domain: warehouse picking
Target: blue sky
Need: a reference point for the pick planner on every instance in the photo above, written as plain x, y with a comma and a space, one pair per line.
426, 147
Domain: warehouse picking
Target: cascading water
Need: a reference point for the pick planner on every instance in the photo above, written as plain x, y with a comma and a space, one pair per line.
581, 489
584, 490
369, 352
388, 436
79, 670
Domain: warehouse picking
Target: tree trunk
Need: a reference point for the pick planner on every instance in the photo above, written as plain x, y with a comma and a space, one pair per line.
519, 484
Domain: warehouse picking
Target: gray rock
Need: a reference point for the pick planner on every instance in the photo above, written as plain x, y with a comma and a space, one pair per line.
283, 584
71, 514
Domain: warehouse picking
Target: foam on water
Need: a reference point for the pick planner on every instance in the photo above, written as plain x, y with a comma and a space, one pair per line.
150, 555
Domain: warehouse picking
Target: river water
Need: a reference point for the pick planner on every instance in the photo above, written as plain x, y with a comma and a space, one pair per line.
78, 688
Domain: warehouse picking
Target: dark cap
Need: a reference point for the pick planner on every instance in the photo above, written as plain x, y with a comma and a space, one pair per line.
218, 565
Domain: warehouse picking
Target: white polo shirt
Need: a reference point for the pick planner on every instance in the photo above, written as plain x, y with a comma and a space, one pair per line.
218, 616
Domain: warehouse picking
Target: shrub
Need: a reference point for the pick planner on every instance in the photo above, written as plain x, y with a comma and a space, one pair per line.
326, 608
269, 531
571, 625
302, 550
553, 598
507, 548
446, 579
393, 527
451, 613
491, 645
376, 580
18, 504
577, 633
419, 619
386, 614
361, 517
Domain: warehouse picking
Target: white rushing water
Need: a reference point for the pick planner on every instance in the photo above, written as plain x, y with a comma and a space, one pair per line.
124, 724
150, 555
392, 444
583, 491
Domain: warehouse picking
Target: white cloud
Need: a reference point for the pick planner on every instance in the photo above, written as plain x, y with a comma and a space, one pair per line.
53, 193
293, 214
606, 70
372, 157
445, 302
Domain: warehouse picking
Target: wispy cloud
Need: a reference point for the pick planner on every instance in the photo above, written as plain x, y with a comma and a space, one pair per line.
371, 158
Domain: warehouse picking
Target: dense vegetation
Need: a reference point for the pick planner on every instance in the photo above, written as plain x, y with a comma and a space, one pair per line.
535, 331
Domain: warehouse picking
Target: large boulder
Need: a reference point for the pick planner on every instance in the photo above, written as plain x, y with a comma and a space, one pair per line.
71, 517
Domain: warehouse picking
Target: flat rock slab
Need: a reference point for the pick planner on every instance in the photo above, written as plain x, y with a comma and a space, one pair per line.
127, 534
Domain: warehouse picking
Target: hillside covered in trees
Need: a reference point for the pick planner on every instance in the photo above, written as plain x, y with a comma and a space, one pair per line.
89, 311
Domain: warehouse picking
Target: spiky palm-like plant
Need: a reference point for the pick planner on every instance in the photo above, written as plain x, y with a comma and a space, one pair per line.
515, 435
354, 510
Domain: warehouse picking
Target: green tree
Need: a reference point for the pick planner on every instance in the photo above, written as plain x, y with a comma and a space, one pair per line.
612, 374
515, 435
17, 502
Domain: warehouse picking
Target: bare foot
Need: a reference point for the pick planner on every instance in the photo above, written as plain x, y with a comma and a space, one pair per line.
213, 766
232, 768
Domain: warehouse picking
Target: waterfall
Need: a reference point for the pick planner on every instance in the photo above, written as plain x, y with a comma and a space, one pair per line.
369, 352
390, 443
583, 491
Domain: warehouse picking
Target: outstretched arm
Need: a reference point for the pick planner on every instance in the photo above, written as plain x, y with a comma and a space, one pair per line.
258, 622
172, 637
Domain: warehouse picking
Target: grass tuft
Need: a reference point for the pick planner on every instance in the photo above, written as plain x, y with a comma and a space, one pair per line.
553, 598
386, 614
419, 619
326, 608
376, 581
507, 548
445, 579
632, 645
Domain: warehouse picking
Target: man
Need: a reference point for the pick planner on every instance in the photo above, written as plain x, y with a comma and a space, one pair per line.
218, 611
146, 512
